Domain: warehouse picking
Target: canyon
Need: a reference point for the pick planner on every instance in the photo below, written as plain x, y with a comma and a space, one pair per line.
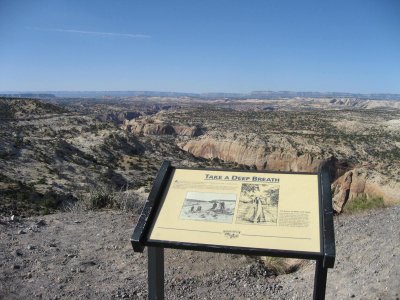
360, 146
75, 174
65, 148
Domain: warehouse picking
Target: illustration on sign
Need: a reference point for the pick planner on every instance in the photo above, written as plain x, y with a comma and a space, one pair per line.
213, 207
258, 204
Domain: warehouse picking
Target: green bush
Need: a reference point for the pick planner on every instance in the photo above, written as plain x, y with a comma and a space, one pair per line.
363, 203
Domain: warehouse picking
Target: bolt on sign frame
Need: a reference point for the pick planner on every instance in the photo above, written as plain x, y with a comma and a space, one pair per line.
262, 213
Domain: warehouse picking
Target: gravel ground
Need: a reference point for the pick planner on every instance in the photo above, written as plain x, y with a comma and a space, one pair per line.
367, 259
88, 256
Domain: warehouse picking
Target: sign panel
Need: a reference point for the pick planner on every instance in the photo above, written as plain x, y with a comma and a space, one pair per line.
240, 209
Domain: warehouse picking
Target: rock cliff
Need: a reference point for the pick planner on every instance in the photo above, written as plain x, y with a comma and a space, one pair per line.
363, 182
349, 181
256, 153
149, 126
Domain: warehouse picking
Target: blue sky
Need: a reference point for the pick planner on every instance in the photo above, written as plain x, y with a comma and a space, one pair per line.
200, 46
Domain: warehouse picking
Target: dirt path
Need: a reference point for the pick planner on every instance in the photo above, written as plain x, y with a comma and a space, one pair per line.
88, 256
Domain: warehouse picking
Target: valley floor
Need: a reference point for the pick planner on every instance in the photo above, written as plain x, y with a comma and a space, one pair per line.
88, 256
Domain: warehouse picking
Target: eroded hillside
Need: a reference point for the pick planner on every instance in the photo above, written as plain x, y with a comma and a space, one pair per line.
362, 146
54, 153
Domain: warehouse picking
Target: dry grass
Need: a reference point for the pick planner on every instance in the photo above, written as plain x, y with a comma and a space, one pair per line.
281, 265
106, 197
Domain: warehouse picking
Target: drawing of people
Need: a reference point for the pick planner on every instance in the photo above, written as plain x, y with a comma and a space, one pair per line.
222, 206
198, 208
214, 206
192, 208
259, 215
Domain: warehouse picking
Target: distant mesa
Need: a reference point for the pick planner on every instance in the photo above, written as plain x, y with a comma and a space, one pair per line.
29, 95
220, 95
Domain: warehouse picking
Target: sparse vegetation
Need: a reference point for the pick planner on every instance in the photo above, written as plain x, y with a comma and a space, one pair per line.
83, 159
11, 108
281, 265
64, 149
107, 197
363, 203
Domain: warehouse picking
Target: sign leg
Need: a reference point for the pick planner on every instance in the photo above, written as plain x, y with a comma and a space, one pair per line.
320, 281
156, 273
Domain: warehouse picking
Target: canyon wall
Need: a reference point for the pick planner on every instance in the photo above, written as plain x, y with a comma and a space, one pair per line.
349, 182
252, 154
157, 127
363, 182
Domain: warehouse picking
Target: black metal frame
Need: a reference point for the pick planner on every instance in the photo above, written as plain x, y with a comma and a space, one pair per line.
140, 237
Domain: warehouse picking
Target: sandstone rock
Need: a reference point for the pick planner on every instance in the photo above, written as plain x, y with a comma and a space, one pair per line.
362, 182
233, 151
191, 131
349, 183
341, 190
150, 126
286, 161
251, 154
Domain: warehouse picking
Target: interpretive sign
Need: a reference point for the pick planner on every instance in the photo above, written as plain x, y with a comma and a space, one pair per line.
240, 209
246, 212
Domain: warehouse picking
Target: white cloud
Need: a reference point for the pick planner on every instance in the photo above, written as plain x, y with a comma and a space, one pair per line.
96, 33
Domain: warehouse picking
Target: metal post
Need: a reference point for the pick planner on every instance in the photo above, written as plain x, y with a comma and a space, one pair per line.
320, 280
156, 273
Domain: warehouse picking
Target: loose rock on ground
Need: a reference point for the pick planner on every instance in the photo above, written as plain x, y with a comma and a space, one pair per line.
60, 258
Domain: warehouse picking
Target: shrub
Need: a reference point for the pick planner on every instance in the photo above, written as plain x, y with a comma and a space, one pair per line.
100, 197
363, 203
50, 201
281, 265
42, 181
107, 197
129, 200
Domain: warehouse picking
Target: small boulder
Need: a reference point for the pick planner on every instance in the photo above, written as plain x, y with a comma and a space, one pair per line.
41, 223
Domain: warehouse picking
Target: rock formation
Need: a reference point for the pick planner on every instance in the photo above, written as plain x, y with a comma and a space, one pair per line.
349, 182
362, 182
255, 154
119, 117
149, 126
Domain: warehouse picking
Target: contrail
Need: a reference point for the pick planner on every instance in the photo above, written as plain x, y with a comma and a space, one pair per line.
97, 33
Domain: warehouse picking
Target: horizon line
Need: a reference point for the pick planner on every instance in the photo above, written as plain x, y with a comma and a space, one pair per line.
178, 92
